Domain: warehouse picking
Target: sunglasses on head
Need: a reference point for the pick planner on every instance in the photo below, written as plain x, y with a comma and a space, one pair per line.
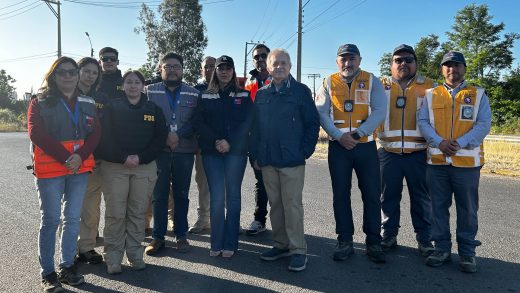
263, 56
65, 72
408, 60
109, 59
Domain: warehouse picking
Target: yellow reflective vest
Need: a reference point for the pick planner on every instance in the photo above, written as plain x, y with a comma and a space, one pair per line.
400, 132
356, 99
451, 118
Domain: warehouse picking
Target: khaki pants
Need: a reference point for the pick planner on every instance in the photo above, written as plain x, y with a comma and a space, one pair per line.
127, 194
202, 185
90, 211
284, 188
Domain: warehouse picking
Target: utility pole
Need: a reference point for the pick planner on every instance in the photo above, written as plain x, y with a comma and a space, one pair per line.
313, 76
246, 53
91, 48
58, 16
299, 53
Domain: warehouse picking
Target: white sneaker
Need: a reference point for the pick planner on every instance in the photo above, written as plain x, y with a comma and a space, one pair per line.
255, 228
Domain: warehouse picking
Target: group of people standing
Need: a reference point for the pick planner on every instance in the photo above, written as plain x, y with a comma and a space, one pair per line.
95, 131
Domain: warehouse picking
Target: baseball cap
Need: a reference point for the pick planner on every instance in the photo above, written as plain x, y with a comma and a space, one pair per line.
348, 49
404, 48
453, 56
225, 60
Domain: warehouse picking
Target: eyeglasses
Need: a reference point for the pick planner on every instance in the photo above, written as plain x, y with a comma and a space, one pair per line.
263, 56
65, 72
408, 60
172, 67
109, 59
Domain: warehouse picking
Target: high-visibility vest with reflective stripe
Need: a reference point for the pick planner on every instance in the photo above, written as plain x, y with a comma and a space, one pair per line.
46, 166
252, 86
452, 118
358, 94
400, 133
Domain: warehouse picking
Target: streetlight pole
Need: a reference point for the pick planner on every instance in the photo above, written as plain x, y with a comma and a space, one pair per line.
91, 49
58, 16
246, 52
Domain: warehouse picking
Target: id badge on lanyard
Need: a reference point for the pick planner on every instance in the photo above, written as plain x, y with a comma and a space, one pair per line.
74, 117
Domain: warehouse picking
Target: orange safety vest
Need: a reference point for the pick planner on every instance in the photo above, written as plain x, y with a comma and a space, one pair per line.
400, 132
46, 166
252, 86
358, 95
452, 118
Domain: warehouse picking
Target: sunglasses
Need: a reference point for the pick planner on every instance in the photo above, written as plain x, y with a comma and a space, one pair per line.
108, 59
65, 72
257, 57
407, 59
172, 67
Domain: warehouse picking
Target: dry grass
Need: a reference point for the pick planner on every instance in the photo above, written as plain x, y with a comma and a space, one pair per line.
501, 157
11, 127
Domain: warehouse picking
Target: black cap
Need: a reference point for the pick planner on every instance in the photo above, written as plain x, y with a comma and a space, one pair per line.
453, 56
225, 60
348, 49
404, 48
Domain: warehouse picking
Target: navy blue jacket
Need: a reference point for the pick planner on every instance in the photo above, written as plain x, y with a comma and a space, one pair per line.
225, 115
286, 125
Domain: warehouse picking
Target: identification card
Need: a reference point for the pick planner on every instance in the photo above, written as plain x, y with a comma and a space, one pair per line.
466, 112
348, 106
400, 103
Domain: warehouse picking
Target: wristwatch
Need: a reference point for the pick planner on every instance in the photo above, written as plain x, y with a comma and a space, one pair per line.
356, 136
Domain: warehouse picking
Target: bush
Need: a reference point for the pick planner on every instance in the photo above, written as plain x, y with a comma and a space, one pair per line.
510, 126
9, 121
7, 116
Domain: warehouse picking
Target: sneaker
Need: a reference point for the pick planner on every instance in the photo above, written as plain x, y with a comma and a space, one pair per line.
183, 245
468, 264
375, 253
70, 276
343, 250
437, 258
215, 253
50, 283
425, 248
137, 265
298, 262
255, 228
90, 257
154, 247
274, 254
389, 243
113, 269
200, 227
227, 253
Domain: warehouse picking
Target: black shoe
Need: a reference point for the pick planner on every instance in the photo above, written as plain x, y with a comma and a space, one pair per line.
343, 250
468, 264
375, 253
51, 284
70, 276
389, 243
90, 257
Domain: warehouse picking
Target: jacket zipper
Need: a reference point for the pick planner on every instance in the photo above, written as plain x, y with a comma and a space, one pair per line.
402, 125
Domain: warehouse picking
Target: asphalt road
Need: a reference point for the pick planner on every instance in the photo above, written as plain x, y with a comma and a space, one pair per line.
498, 257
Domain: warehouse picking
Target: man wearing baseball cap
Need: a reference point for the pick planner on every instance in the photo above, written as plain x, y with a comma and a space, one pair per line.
454, 119
352, 104
403, 152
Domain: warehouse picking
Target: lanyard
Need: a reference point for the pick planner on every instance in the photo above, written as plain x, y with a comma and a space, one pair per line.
173, 100
75, 116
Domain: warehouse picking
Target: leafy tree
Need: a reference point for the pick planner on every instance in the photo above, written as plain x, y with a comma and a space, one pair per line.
179, 29
505, 98
429, 57
385, 64
486, 52
7, 90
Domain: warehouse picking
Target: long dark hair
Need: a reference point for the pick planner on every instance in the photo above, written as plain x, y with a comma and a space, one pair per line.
49, 87
213, 86
88, 60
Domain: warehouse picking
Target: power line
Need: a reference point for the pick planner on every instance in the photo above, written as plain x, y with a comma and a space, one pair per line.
335, 16
18, 9
326, 9
5, 7
262, 21
32, 57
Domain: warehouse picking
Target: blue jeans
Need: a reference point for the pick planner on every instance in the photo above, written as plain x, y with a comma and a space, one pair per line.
56, 194
462, 183
225, 174
395, 168
364, 160
174, 168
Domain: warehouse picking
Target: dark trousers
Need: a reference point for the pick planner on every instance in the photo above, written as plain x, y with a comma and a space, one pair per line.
364, 160
395, 168
462, 183
260, 198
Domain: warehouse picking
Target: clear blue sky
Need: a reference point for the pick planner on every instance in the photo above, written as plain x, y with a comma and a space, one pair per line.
375, 26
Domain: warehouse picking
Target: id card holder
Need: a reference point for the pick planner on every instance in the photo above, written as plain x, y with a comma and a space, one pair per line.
348, 106
400, 103
173, 128
467, 112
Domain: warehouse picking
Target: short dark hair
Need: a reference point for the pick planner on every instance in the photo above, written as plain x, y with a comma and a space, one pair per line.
136, 72
108, 50
260, 46
172, 55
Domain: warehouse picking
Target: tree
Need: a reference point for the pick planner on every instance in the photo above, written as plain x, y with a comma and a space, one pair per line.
429, 57
385, 63
7, 90
486, 52
180, 29
505, 98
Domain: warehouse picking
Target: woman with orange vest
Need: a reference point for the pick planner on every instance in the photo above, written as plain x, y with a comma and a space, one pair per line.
64, 130
454, 119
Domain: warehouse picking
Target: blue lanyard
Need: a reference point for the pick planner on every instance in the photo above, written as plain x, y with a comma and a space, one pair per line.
173, 100
75, 116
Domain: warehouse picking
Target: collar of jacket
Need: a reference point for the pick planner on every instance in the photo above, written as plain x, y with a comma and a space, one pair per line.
112, 75
286, 88
139, 104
